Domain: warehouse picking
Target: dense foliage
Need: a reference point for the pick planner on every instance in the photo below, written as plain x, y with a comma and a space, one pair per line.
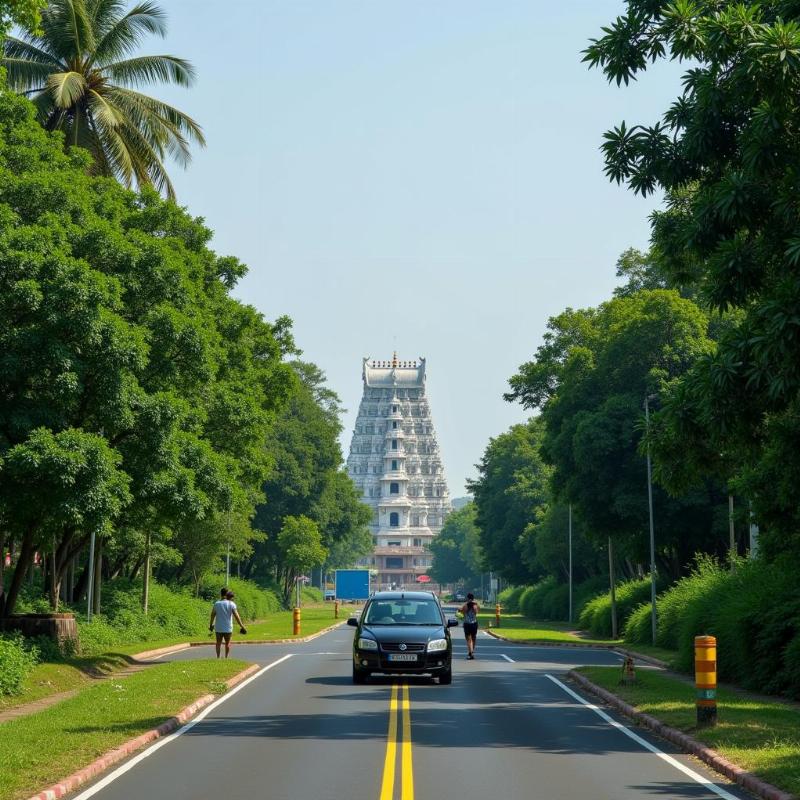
512, 485
17, 659
725, 152
590, 379
77, 63
456, 550
754, 611
138, 398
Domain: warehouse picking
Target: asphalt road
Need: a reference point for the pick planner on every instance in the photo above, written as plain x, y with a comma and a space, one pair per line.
507, 728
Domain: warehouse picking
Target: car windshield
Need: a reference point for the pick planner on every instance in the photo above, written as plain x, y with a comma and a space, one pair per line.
403, 612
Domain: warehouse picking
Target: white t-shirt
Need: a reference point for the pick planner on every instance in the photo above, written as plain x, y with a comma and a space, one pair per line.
223, 621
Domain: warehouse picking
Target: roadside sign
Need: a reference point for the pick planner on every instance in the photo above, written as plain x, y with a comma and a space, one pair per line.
351, 584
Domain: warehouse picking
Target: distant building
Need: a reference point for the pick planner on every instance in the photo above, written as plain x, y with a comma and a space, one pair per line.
395, 462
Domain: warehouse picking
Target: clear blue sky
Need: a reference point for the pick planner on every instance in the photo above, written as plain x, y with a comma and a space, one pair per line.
419, 175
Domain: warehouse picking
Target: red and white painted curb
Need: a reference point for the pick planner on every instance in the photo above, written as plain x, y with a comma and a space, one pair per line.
689, 745
120, 753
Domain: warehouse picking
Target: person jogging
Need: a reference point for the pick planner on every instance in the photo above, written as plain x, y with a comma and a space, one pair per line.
470, 611
222, 615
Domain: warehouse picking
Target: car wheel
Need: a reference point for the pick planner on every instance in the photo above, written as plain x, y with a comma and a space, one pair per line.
446, 678
359, 676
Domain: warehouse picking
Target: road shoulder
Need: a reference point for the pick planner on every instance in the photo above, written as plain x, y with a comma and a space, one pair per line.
688, 744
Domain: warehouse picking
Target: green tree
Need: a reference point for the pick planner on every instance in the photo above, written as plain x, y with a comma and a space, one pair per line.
306, 477
589, 379
118, 323
456, 549
725, 153
512, 485
27, 13
300, 545
55, 490
79, 67
545, 546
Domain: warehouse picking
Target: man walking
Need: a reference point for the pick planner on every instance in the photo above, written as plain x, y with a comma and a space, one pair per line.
222, 615
470, 611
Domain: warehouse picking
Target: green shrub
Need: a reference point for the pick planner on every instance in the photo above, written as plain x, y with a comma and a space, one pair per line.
310, 594
547, 599
17, 659
754, 611
587, 590
252, 600
509, 599
595, 616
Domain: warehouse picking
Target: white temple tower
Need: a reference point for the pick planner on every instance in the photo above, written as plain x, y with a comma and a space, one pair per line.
394, 460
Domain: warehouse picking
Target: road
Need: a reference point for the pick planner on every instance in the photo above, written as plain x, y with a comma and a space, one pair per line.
507, 728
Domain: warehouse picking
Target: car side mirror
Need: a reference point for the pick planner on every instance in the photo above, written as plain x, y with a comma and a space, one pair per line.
452, 623
352, 621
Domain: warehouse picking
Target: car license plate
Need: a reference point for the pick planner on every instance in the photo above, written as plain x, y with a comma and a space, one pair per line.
402, 657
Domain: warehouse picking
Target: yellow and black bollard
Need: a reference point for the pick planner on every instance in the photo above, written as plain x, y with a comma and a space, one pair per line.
296, 622
705, 676
497, 616
336, 609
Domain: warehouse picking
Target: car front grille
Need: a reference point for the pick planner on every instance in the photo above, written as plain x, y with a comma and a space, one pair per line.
411, 647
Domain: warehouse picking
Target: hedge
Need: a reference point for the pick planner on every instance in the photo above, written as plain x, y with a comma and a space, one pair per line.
596, 614
753, 610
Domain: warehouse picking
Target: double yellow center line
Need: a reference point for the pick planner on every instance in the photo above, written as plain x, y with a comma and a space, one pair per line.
399, 699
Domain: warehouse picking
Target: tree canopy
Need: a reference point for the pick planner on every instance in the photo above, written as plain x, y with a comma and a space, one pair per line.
136, 393
512, 483
725, 153
590, 379
78, 63
456, 549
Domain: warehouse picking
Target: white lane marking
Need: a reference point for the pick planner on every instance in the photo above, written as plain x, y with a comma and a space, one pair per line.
702, 780
119, 771
510, 660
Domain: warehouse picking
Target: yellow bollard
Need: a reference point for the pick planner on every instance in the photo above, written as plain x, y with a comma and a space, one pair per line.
296, 622
497, 616
336, 609
705, 676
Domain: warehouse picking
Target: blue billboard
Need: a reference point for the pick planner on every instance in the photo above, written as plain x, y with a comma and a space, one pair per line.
352, 584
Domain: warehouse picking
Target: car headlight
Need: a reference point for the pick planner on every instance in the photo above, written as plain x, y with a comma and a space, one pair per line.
437, 644
367, 644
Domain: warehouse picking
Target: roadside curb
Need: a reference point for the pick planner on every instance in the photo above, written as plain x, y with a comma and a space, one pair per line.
175, 648
687, 743
656, 662
160, 651
120, 753
309, 638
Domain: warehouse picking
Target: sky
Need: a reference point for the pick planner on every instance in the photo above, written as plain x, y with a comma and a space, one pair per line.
413, 175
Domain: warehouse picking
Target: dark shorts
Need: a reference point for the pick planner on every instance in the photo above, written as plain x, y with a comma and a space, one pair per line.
470, 629
225, 636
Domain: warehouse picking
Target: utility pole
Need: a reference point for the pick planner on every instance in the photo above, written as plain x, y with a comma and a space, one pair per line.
612, 580
90, 589
653, 621
570, 562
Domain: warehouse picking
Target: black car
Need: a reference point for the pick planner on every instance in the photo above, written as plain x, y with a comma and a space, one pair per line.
402, 632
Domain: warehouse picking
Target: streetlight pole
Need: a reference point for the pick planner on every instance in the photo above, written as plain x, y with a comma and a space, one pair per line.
570, 562
652, 531
90, 592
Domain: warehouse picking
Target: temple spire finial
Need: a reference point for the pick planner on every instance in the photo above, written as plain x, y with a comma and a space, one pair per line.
394, 359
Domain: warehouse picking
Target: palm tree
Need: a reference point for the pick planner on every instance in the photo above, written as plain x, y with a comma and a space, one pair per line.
81, 73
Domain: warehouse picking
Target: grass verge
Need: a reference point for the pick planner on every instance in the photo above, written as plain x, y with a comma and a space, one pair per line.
758, 734
42, 748
51, 678
518, 628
